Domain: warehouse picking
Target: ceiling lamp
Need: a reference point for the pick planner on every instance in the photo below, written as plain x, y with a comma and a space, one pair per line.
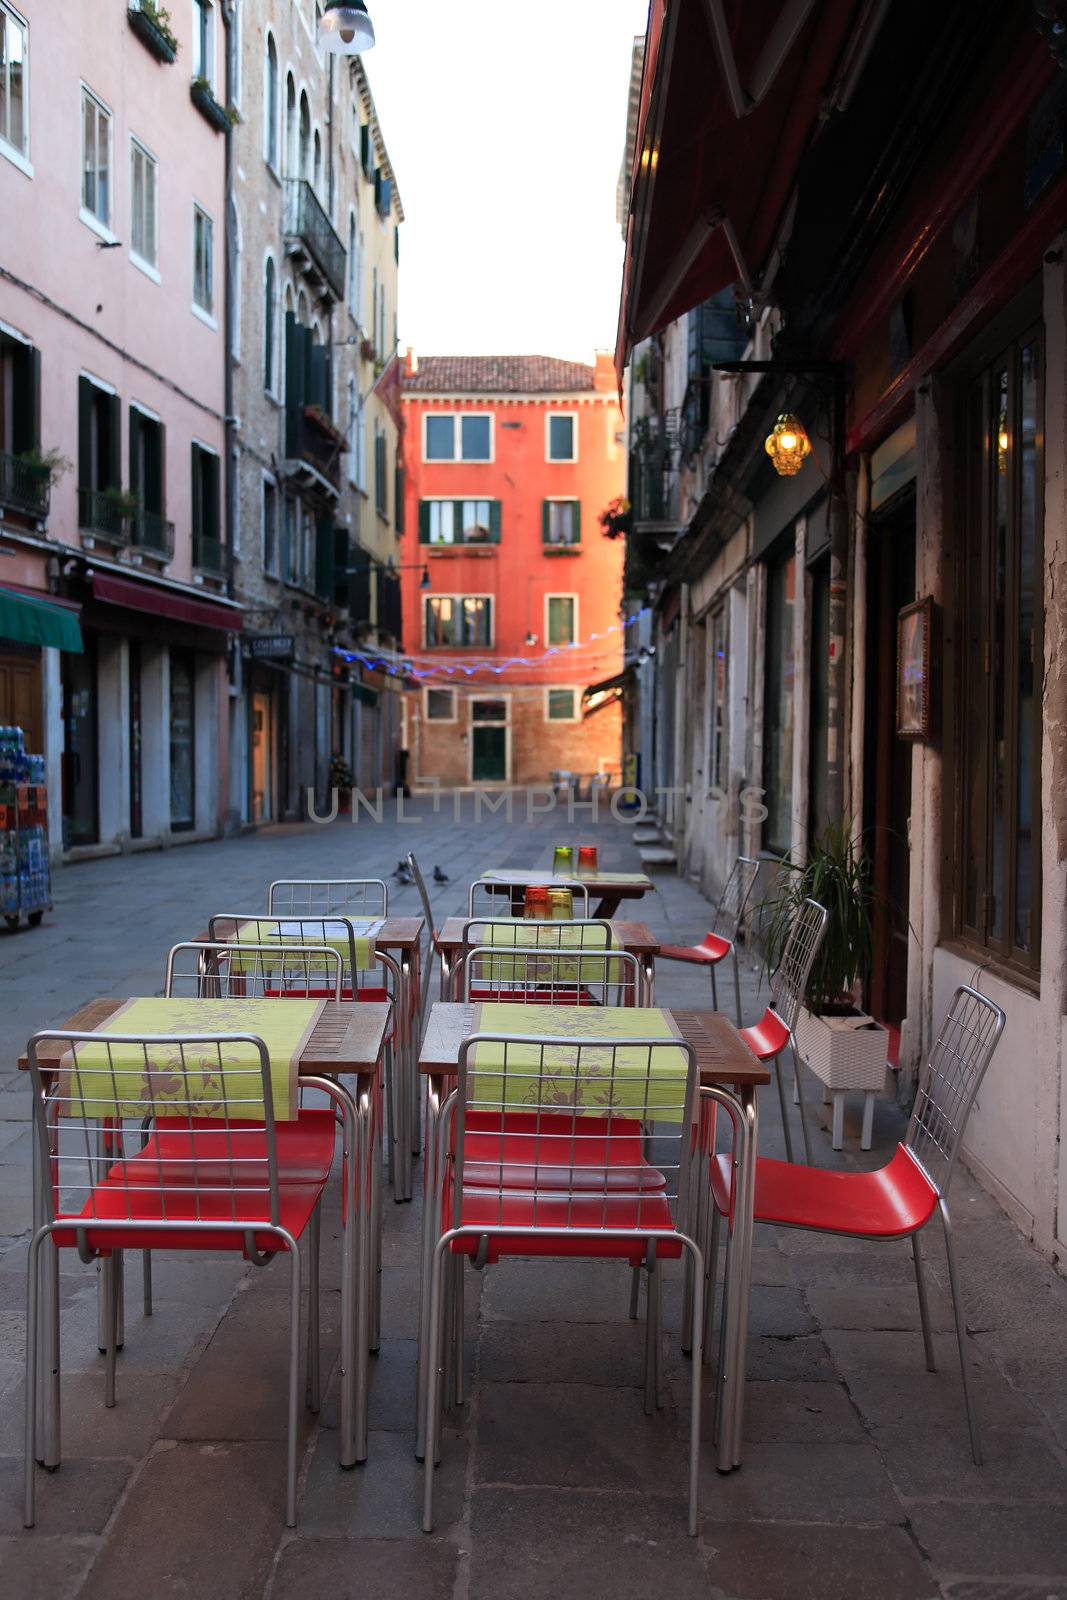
788, 445
345, 27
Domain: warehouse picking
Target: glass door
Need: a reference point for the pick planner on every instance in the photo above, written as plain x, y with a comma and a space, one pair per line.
182, 730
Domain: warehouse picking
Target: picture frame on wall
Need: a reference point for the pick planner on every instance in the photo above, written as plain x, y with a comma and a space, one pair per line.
915, 626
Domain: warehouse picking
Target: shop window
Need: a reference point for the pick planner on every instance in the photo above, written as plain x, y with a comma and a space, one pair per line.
182, 741
998, 661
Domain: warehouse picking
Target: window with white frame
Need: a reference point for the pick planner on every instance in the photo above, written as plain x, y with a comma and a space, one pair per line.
270, 104
561, 436
96, 158
203, 261
143, 204
458, 620
271, 542
204, 41
14, 82
451, 436
561, 705
561, 618
440, 705
561, 522
459, 521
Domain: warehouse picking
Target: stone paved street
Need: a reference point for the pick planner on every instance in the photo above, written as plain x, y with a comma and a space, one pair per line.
857, 1483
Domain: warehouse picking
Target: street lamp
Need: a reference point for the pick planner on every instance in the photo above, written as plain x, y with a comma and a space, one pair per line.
345, 27
788, 446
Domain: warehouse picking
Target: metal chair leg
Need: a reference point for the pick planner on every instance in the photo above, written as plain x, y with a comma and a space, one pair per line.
652, 1269
737, 985
961, 1334
313, 1362
695, 1385
785, 1114
798, 1079
433, 1366
457, 1328
635, 1291
29, 1463
924, 1309
146, 1282
714, 991
711, 1267
294, 1385
110, 1285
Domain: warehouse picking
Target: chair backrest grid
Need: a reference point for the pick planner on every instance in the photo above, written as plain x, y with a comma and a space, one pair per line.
496, 890
790, 978
189, 1152
734, 899
225, 971
590, 932
328, 897
431, 929
950, 1080
523, 976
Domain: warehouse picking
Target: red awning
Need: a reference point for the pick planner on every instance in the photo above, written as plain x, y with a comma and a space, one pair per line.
729, 98
163, 602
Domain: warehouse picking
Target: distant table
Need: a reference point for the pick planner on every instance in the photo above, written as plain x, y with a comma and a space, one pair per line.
348, 1039
634, 937
733, 1073
612, 887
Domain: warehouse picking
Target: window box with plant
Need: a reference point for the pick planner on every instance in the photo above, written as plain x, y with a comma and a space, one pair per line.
203, 98
845, 1048
151, 24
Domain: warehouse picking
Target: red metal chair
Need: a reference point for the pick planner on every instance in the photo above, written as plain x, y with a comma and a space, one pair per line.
228, 1180
721, 941
508, 1206
898, 1200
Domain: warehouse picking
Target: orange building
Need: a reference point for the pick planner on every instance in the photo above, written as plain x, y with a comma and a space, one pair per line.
510, 461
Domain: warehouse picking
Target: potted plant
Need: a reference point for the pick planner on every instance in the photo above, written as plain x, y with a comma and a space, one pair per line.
845, 1048
203, 98
341, 779
47, 465
151, 23
615, 517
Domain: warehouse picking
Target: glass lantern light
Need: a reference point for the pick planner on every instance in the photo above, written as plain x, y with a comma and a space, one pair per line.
788, 445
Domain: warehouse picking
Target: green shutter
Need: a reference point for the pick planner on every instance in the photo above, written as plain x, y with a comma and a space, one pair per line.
324, 557
198, 499
285, 511
494, 521
135, 453
213, 509
399, 477
318, 388
26, 422
85, 434
424, 521
114, 442
577, 521
545, 515
156, 472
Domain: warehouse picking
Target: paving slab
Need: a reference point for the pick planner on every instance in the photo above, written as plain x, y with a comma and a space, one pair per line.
356, 1569
35, 1566
576, 1436
993, 1541
383, 1498
802, 1481
770, 1561
78, 1498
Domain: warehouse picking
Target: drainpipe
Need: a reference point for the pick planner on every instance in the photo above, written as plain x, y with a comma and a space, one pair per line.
229, 300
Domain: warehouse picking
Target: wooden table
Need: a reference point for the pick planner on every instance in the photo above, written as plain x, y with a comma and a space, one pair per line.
634, 937
731, 1074
401, 938
509, 879
348, 1039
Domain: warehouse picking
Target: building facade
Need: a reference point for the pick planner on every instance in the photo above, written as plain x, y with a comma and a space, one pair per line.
112, 406
876, 638
510, 464
315, 222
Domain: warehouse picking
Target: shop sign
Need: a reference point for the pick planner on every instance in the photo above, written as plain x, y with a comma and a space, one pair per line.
271, 646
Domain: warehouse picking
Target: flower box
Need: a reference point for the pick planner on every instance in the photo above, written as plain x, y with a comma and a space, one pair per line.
154, 38
848, 1052
208, 107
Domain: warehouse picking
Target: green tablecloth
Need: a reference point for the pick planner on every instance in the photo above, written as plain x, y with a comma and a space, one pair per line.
629, 1081
548, 966
342, 934
131, 1080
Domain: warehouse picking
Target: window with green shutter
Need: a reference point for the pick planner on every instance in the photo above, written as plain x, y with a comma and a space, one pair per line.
561, 522
459, 521
561, 618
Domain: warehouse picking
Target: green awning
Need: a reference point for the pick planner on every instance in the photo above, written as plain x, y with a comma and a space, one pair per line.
30, 620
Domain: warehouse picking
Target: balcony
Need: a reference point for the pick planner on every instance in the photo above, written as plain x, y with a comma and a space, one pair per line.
152, 534
309, 235
24, 486
654, 488
106, 514
312, 442
210, 556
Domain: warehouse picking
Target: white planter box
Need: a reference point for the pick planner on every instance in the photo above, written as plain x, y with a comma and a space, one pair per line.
844, 1052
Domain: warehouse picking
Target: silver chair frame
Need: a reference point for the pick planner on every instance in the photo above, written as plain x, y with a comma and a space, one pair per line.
620, 969
789, 982
729, 913
343, 908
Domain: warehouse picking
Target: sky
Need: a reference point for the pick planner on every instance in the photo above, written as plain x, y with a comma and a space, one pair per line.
505, 121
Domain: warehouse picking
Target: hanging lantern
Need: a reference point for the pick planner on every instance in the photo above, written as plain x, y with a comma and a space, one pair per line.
788, 445
345, 28
1003, 442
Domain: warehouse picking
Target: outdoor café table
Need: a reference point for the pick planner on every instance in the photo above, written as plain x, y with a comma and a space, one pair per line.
633, 937
610, 886
348, 1039
399, 937
726, 1065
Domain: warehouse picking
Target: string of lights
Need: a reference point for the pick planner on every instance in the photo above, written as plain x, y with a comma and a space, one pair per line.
421, 666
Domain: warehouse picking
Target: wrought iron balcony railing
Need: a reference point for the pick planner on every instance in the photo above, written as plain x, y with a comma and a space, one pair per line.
24, 486
153, 534
654, 486
211, 556
105, 512
308, 228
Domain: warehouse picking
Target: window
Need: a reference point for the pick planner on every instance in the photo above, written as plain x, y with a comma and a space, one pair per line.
270, 331
316, 177
561, 522
96, 159
361, 449
304, 146
208, 551
459, 521
355, 268
560, 705
778, 687
99, 456
20, 382
290, 552
997, 661
290, 126
470, 435
147, 456
143, 201
459, 620
717, 701
381, 471
561, 614
440, 705
561, 437
203, 261
270, 105
204, 40
270, 528
14, 121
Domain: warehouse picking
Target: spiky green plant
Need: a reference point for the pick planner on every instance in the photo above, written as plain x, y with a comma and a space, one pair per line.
837, 874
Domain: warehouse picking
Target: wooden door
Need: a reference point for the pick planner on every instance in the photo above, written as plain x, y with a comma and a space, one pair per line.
20, 697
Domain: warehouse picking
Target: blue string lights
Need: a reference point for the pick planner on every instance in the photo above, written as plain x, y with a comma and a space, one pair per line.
427, 667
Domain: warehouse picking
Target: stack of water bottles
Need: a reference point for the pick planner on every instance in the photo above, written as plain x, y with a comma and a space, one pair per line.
25, 884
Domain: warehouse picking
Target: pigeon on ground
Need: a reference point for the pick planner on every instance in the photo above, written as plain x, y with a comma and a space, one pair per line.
439, 876
403, 873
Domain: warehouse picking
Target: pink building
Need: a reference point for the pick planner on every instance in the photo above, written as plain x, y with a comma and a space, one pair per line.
112, 334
